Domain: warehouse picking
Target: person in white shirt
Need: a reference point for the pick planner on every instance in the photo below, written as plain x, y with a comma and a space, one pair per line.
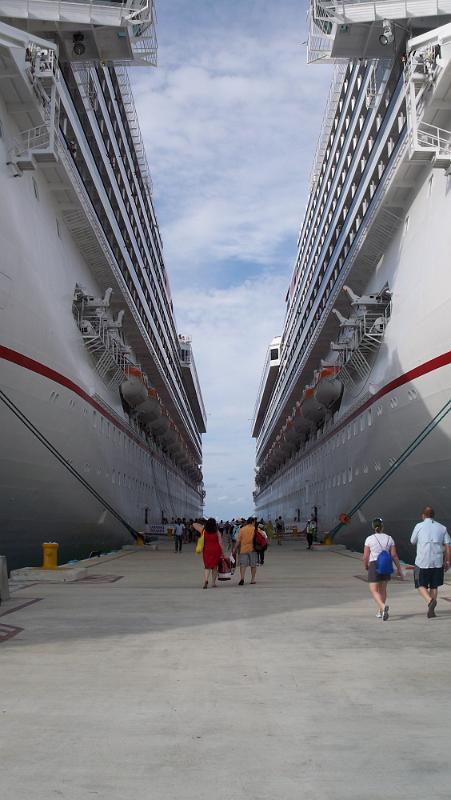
377, 583
179, 530
432, 541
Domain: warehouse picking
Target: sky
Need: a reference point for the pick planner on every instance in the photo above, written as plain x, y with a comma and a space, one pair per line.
230, 121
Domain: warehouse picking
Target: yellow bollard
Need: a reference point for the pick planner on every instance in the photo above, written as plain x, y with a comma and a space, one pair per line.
50, 555
139, 540
294, 533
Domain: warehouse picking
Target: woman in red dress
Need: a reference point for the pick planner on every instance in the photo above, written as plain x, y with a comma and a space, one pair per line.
212, 552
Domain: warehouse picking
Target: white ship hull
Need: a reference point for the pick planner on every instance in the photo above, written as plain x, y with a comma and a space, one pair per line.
47, 373
409, 383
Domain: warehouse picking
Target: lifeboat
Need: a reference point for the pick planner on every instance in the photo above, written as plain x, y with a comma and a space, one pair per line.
301, 425
291, 431
151, 408
160, 426
314, 411
171, 437
134, 389
328, 388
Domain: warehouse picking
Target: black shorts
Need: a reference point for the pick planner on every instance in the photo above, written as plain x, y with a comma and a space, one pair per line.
428, 578
374, 577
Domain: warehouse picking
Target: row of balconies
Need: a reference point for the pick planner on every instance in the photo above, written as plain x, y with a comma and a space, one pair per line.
336, 178
341, 235
167, 356
125, 218
133, 187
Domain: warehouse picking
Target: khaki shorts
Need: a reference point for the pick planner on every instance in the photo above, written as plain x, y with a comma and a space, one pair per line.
248, 559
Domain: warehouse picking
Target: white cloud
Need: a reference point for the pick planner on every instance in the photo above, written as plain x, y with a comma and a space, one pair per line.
231, 330
227, 120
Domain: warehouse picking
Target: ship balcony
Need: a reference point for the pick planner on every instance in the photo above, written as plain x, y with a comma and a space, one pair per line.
427, 79
348, 29
35, 146
191, 382
112, 31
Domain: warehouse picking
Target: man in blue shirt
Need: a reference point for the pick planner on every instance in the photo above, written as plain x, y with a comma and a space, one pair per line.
432, 541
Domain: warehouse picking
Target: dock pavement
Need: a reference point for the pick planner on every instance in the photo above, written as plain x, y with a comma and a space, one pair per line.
136, 684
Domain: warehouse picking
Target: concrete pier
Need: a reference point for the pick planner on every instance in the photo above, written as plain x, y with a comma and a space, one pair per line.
135, 684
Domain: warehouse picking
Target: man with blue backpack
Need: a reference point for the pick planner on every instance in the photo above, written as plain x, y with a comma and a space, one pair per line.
379, 554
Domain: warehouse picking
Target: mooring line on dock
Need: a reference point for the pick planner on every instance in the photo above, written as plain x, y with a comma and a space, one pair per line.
439, 417
65, 463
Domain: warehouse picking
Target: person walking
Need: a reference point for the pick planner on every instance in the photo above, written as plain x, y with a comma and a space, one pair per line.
432, 541
280, 530
310, 531
260, 527
179, 530
375, 545
247, 554
212, 553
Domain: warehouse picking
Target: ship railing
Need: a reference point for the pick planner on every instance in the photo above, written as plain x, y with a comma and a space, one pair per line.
433, 137
110, 354
321, 31
422, 69
356, 350
37, 138
328, 120
132, 117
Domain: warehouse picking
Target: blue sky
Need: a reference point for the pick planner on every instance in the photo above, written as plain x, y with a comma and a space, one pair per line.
230, 121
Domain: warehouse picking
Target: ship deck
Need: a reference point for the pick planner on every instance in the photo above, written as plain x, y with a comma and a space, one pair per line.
135, 683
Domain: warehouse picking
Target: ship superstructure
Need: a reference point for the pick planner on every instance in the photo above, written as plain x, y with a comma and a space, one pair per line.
92, 365
357, 421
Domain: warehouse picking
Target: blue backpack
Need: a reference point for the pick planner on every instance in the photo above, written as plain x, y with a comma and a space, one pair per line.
384, 563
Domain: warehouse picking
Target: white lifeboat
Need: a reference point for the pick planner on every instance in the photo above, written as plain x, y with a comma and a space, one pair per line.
311, 409
151, 408
287, 444
291, 432
171, 437
301, 426
160, 426
328, 388
134, 389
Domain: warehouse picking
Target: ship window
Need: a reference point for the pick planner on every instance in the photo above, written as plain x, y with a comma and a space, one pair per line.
35, 189
1, 130
58, 229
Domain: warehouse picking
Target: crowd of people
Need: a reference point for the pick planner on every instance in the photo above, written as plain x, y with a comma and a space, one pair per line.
243, 542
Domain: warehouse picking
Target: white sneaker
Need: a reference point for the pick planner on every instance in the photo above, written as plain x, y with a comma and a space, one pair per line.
379, 615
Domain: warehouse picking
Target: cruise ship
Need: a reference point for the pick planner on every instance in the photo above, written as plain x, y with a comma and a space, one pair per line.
352, 417
101, 411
